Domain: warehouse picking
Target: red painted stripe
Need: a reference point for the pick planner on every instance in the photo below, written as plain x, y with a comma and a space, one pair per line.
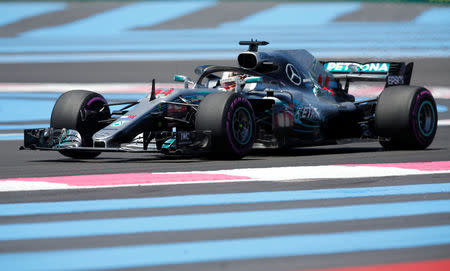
425, 166
130, 178
433, 265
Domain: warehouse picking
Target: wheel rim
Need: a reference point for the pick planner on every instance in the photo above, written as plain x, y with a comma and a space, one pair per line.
241, 126
93, 110
89, 123
95, 104
426, 119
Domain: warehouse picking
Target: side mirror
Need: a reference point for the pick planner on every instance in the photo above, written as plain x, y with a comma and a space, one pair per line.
254, 79
183, 78
179, 78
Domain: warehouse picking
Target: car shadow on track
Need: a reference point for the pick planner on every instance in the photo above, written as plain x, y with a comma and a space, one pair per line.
312, 151
142, 159
257, 154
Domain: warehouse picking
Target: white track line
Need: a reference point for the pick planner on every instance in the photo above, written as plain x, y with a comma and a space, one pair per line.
444, 122
299, 173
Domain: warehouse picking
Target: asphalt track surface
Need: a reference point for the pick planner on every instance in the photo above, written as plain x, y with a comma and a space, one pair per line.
15, 163
427, 71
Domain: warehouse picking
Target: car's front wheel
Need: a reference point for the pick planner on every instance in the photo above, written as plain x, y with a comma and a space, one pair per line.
80, 110
230, 119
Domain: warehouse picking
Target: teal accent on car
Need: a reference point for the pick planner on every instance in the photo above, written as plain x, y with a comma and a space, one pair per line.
168, 143
255, 79
179, 78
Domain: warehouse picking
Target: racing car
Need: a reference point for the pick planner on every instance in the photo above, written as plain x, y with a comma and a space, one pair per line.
271, 99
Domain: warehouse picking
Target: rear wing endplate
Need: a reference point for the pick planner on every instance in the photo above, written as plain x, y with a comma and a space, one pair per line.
393, 73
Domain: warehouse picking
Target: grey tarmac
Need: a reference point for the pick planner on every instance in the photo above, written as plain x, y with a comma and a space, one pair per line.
427, 71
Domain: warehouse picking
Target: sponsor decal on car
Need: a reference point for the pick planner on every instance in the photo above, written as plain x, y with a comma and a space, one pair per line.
394, 80
306, 113
118, 123
162, 92
128, 117
380, 67
293, 74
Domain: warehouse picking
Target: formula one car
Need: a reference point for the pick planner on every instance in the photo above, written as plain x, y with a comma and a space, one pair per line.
279, 98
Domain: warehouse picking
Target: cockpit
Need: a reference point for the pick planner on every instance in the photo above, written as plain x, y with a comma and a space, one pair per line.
229, 78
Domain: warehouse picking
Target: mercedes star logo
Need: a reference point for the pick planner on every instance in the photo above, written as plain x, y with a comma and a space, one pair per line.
293, 74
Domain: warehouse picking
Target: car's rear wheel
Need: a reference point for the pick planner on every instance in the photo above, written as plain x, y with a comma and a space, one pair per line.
406, 118
230, 118
80, 110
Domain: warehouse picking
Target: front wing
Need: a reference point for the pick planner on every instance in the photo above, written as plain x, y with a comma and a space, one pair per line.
178, 142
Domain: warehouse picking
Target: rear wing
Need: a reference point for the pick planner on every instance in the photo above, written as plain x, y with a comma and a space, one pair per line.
393, 73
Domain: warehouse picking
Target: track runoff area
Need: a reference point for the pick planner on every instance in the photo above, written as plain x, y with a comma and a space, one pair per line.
352, 207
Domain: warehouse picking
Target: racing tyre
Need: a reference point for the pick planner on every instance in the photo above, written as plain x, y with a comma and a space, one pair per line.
406, 118
80, 110
230, 118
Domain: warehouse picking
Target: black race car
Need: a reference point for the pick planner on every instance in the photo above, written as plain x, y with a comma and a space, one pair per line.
279, 98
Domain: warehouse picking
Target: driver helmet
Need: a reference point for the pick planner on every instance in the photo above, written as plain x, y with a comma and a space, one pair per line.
228, 81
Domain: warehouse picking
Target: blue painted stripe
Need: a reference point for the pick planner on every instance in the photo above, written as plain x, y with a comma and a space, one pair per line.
436, 15
25, 110
19, 96
298, 14
412, 40
60, 58
182, 47
124, 18
235, 249
125, 96
219, 38
22, 126
36, 110
132, 225
405, 32
11, 136
32, 95
12, 12
441, 108
116, 57
15, 209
